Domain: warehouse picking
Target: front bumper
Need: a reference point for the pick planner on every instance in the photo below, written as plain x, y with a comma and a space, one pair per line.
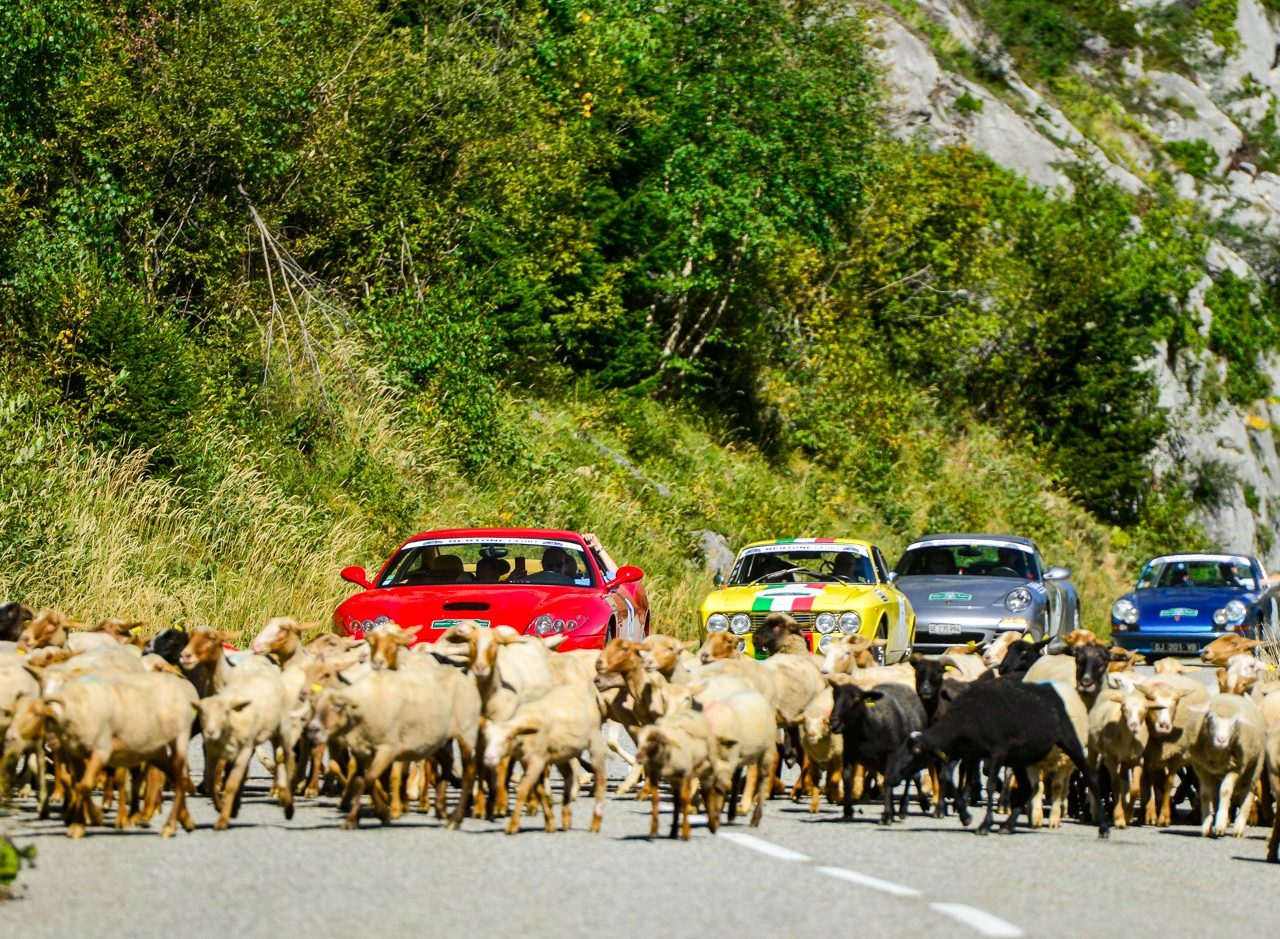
1165, 643
938, 630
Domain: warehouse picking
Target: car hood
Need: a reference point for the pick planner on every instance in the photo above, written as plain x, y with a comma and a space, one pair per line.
786, 598
961, 592
1179, 607
436, 607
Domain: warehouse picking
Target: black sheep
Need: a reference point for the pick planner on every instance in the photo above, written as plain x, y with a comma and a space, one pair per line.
1005, 723
13, 617
873, 723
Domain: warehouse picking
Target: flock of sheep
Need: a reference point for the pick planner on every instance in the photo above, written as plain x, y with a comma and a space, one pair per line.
84, 711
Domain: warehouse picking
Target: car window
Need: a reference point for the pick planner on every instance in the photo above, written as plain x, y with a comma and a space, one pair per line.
494, 562
1187, 571
786, 565
954, 557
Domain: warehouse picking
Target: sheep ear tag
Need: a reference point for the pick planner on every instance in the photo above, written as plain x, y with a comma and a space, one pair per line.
871, 704
317, 688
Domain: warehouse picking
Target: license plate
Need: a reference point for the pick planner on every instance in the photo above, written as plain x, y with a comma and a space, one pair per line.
1175, 647
944, 629
450, 623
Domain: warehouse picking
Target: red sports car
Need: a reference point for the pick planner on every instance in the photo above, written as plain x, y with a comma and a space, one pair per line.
540, 582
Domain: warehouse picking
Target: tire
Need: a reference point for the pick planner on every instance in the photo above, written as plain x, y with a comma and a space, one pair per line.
880, 652
611, 632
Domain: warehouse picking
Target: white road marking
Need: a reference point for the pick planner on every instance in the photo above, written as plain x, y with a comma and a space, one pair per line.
866, 880
979, 920
764, 847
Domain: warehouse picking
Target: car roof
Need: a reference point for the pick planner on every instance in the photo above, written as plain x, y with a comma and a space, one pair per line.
1201, 556
554, 534
807, 542
971, 536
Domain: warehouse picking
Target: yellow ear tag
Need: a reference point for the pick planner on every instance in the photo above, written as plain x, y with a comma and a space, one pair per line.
195, 708
1270, 667
871, 704
22, 652
135, 630
317, 688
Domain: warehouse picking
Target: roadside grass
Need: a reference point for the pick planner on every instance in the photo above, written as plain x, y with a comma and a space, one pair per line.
253, 526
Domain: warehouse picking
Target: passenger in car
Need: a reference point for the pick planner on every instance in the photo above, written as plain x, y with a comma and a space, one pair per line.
490, 570
939, 561
554, 559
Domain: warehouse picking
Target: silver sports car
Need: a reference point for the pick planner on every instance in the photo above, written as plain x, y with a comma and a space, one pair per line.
967, 588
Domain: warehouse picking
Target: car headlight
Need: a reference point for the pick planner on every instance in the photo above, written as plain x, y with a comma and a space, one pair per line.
740, 624
1234, 613
825, 623
824, 642
1018, 600
367, 626
546, 625
1124, 611
850, 623
381, 621
717, 623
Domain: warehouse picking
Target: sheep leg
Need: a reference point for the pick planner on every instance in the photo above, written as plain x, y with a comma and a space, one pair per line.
469, 759
527, 782
993, 780
317, 769
886, 795
123, 796
42, 784
801, 785
178, 773
599, 767
154, 795
355, 790
1069, 744
383, 757
847, 773
815, 791
750, 788
735, 785
567, 795
681, 795
231, 788
1134, 796
415, 784
397, 781
543, 793
1207, 793
654, 805
1226, 790
286, 773
1018, 799
81, 795
1273, 843
1243, 814
1165, 818
768, 763
1060, 782
502, 773
436, 780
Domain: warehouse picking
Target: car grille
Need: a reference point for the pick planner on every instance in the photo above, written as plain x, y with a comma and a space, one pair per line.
926, 638
805, 619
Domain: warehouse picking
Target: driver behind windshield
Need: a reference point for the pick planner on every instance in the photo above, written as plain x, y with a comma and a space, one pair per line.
555, 563
939, 561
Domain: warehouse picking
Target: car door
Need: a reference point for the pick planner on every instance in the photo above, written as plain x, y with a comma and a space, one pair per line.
898, 609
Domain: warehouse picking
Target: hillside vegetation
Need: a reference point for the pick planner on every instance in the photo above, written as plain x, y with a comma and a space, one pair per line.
283, 281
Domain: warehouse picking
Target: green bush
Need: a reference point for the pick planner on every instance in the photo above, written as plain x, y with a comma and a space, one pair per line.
1197, 158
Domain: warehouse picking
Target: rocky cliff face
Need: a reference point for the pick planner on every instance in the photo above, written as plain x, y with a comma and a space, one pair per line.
1212, 112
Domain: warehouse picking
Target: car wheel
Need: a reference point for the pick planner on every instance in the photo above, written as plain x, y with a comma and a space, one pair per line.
611, 632
878, 652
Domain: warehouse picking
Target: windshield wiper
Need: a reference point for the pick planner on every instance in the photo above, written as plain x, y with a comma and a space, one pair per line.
783, 573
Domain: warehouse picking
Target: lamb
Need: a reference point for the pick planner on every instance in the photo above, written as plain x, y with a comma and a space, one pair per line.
1226, 753
1172, 722
552, 730
1118, 739
1006, 723
721, 645
392, 715
998, 648
743, 723
846, 654
968, 666
637, 693
124, 721
281, 640
249, 711
1219, 651
679, 748
667, 656
823, 749
1057, 767
873, 724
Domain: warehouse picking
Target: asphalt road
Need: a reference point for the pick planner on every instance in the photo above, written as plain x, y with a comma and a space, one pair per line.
796, 875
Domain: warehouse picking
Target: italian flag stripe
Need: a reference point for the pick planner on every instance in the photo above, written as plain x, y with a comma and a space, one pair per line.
802, 603
761, 605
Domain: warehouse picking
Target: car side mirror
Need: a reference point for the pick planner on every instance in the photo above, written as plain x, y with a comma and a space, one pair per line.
625, 575
355, 575
1057, 573
719, 580
893, 577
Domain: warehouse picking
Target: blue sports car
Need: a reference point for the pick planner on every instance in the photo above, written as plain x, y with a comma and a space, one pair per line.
1184, 601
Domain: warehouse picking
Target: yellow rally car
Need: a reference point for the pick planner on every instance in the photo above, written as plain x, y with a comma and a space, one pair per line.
832, 586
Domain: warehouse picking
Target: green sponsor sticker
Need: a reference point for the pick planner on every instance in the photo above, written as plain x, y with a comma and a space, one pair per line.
950, 595
1178, 612
450, 623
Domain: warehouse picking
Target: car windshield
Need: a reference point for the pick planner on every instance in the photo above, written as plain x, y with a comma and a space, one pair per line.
784, 564
1224, 571
495, 561
980, 558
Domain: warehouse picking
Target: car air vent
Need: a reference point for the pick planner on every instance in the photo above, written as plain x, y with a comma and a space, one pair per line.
464, 606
